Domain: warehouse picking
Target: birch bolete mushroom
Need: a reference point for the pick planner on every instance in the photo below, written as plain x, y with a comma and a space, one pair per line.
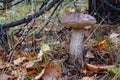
77, 21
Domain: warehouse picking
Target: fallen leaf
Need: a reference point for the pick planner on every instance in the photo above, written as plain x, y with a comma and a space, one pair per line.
15, 37
5, 77
87, 78
30, 55
96, 68
32, 73
40, 74
19, 72
28, 64
114, 37
22, 10
102, 45
71, 10
112, 56
35, 70
52, 72
89, 54
19, 60
45, 48
4, 64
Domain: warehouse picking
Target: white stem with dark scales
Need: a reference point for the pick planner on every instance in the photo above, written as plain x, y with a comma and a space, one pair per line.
76, 45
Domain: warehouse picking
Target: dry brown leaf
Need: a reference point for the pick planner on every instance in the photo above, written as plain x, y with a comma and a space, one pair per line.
28, 64
40, 75
95, 68
89, 54
32, 73
52, 72
87, 78
5, 77
19, 72
103, 77
35, 70
114, 37
4, 64
8, 65
19, 60
102, 45
112, 58
30, 55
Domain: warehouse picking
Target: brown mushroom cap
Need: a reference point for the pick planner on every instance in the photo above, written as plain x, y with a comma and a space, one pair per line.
78, 20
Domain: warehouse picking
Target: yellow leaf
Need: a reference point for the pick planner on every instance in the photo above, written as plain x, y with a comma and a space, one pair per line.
45, 48
86, 6
22, 10
71, 10
15, 37
18, 56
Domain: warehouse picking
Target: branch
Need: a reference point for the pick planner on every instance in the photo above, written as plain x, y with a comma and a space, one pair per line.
30, 17
12, 4
4, 1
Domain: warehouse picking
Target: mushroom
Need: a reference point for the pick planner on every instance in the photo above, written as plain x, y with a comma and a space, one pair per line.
77, 21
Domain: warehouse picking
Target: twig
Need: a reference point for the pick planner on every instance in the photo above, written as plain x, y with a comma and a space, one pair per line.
11, 4
30, 17
48, 19
24, 35
94, 31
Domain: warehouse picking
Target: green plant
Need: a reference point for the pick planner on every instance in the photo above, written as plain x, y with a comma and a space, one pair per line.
116, 71
16, 13
117, 59
29, 77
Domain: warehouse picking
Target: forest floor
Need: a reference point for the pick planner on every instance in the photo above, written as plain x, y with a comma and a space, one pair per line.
41, 52
47, 57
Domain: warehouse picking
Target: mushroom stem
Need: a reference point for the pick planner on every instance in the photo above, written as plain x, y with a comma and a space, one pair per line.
76, 46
